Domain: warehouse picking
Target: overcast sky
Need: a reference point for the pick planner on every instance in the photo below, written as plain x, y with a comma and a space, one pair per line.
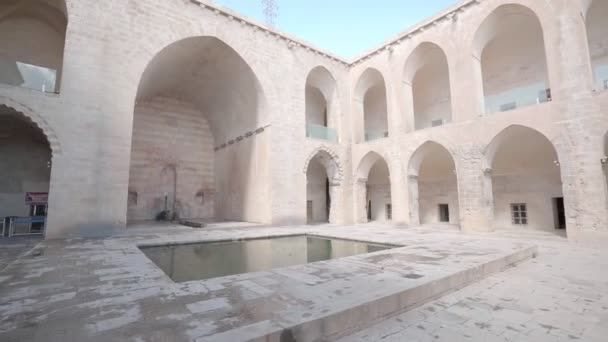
346, 28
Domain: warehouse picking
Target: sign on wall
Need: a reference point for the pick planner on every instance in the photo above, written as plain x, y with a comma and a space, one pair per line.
36, 197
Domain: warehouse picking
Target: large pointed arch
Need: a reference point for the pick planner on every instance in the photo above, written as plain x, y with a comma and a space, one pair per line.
28, 146
427, 85
322, 105
32, 40
373, 196
509, 51
526, 180
597, 36
433, 185
199, 141
324, 186
372, 106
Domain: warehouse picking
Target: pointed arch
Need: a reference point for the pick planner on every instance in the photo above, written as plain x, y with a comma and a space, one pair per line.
433, 185
510, 54
524, 169
202, 90
426, 77
322, 105
330, 160
32, 41
597, 37
36, 119
371, 102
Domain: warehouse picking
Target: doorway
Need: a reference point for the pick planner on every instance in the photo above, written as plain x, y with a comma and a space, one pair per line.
560, 213
444, 213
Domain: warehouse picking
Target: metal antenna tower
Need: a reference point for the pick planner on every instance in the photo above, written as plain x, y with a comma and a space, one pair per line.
271, 9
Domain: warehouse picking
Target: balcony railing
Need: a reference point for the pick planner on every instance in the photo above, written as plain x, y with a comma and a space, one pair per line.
321, 132
518, 97
27, 75
601, 77
375, 135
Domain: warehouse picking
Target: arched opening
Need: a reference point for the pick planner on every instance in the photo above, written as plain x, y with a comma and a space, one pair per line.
597, 34
199, 150
433, 186
321, 105
526, 180
32, 38
427, 83
322, 186
509, 50
373, 190
371, 101
26, 171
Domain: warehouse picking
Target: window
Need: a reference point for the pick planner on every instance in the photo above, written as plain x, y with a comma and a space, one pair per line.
389, 211
606, 84
436, 123
519, 214
508, 106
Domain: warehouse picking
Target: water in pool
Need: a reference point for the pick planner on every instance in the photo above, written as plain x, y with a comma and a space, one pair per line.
210, 260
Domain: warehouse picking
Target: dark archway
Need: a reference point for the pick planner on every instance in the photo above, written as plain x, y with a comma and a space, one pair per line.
433, 185
25, 167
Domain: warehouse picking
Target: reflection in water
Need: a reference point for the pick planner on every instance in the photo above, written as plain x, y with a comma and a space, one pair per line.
211, 260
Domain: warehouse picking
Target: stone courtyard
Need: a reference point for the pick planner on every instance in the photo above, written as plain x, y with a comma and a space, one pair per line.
463, 162
106, 289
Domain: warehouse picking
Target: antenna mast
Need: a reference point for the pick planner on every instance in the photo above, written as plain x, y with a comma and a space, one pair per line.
271, 9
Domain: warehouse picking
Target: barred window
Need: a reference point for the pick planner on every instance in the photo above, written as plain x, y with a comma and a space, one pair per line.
519, 213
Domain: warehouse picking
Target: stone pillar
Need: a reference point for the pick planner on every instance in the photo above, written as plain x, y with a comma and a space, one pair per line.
337, 205
408, 112
475, 197
399, 195
580, 147
414, 200
360, 196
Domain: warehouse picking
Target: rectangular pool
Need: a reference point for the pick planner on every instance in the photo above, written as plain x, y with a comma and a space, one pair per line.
218, 259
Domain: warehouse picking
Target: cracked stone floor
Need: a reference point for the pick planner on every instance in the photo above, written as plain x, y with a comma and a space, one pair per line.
562, 295
107, 290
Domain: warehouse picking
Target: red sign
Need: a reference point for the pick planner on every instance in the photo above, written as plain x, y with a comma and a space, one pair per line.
36, 197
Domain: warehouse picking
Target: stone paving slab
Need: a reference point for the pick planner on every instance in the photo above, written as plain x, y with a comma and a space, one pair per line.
562, 295
108, 290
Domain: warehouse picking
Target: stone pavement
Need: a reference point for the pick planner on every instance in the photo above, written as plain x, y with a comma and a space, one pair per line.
107, 290
562, 295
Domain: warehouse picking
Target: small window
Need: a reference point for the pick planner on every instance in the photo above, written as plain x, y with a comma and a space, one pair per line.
519, 214
389, 211
508, 106
436, 123
606, 84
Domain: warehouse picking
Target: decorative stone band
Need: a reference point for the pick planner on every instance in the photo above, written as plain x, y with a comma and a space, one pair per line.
241, 137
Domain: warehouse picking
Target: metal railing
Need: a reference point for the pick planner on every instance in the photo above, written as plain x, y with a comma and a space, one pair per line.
375, 135
601, 76
28, 75
321, 132
519, 97
21, 226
